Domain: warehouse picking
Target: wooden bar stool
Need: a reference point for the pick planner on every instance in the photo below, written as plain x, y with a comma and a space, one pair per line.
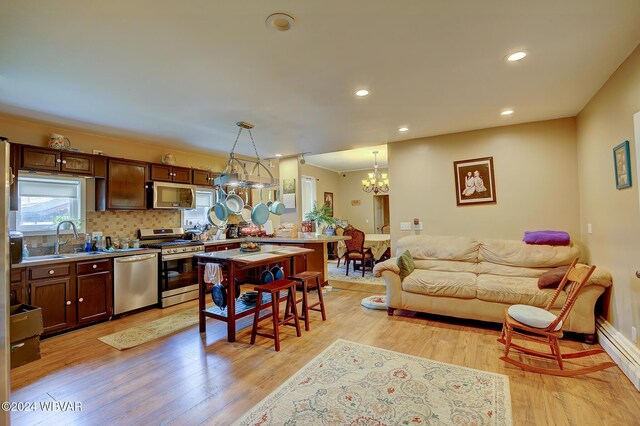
305, 282
274, 288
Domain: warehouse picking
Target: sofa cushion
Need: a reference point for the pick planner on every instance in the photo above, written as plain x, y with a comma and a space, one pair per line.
553, 277
533, 317
446, 265
406, 264
519, 253
430, 247
509, 271
514, 290
447, 284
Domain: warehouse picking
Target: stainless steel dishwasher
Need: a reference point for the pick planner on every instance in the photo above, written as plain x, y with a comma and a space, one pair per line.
135, 283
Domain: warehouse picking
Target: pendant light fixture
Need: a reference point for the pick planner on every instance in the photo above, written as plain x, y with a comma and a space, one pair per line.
377, 182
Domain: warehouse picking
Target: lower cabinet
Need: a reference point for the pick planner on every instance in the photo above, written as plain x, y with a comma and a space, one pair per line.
72, 295
56, 297
95, 297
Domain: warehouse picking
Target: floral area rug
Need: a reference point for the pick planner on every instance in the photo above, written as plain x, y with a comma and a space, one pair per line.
354, 384
338, 274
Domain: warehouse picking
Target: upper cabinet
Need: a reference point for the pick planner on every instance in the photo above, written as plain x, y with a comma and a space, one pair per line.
51, 160
40, 159
126, 187
203, 177
165, 173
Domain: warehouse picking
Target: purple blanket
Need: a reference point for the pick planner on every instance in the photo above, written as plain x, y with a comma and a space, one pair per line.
551, 238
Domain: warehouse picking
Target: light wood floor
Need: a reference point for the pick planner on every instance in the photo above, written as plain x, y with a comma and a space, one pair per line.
187, 379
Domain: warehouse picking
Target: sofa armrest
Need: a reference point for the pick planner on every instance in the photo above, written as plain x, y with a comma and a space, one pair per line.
388, 265
394, 289
600, 277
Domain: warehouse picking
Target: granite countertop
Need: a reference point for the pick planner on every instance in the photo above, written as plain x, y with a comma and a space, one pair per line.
266, 251
226, 241
76, 257
315, 239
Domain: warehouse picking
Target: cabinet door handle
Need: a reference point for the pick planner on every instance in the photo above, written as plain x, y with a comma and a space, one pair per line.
58, 160
79, 300
146, 186
51, 272
94, 266
64, 161
68, 302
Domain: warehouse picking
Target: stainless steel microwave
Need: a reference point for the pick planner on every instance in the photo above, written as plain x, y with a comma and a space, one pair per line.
165, 195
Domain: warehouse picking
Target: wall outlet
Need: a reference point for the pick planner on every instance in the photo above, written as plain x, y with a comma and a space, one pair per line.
405, 226
589, 229
634, 335
417, 226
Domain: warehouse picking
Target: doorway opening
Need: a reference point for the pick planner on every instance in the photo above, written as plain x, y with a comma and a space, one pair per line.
380, 213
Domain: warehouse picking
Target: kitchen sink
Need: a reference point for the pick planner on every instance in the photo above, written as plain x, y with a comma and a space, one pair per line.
45, 257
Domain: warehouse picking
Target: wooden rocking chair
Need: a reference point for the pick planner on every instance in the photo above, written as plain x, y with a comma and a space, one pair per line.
541, 322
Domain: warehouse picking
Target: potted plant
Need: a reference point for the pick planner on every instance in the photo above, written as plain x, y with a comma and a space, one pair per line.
331, 227
320, 215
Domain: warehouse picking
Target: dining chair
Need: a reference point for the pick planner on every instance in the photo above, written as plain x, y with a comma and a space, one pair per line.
544, 327
386, 229
341, 248
356, 250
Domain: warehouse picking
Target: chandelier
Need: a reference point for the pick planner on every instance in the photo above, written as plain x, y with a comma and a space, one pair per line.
377, 181
245, 173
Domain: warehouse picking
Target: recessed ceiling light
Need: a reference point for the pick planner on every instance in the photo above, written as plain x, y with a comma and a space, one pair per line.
516, 56
278, 155
507, 112
403, 129
280, 22
362, 92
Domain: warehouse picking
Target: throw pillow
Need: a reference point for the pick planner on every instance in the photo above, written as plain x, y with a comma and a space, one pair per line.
406, 264
552, 278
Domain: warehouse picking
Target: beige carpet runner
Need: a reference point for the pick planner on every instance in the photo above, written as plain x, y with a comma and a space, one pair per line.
354, 384
138, 335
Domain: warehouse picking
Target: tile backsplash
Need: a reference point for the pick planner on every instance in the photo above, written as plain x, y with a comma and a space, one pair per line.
116, 224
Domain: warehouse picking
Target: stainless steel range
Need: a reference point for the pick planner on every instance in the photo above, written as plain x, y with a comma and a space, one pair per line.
178, 270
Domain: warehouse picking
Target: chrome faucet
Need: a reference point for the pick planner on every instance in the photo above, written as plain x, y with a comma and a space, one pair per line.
56, 245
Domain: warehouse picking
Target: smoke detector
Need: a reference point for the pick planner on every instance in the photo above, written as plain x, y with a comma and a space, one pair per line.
280, 22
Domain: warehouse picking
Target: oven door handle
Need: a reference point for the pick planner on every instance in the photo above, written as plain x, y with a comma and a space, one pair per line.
179, 256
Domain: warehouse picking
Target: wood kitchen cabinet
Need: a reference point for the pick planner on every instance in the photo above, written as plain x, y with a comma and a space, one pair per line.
125, 185
50, 288
18, 292
165, 173
45, 159
94, 288
15, 158
203, 177
76, 163
69, 294
53, 160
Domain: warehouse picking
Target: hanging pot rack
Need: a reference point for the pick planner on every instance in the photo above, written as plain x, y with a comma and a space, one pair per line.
236, 173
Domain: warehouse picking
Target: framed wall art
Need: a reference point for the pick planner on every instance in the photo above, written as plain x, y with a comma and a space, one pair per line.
475, 181
328, 200
622, 165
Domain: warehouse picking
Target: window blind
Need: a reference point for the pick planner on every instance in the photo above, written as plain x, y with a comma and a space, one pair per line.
29, 187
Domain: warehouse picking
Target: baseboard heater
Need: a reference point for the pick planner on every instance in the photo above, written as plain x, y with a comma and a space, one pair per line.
620, 349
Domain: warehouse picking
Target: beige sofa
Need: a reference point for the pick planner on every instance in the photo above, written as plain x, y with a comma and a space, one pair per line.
477, 279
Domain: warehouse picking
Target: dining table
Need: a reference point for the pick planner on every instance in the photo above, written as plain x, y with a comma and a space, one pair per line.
234, 261
377, 243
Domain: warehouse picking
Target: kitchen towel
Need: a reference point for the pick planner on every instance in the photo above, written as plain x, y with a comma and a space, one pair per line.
212, 273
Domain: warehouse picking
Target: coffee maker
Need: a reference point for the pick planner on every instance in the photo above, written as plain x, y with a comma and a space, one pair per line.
15, 242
